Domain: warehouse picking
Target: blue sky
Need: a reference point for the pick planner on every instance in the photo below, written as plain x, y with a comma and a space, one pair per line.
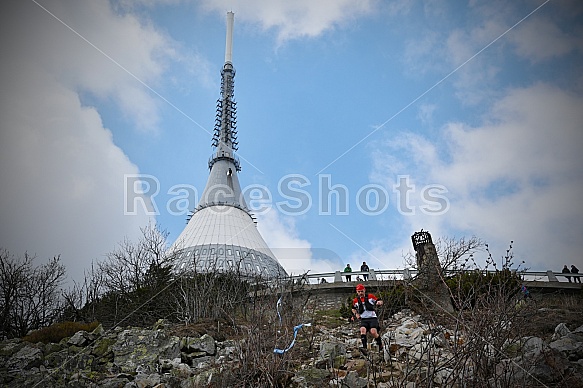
466, 118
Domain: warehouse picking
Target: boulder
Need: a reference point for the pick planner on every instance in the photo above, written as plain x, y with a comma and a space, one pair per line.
142, 380
311, 377
551, 368
439, 340
9, 347
81, 339
564, 345
141, 347
114, 382
331, 350
204, 344
352, 380
560, 331
532, 347
29, 356
56, 359
98, 331
102, 349
418, 351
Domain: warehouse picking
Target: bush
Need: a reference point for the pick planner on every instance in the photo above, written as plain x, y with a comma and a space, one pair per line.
56, 332
29, 293
346, 309
394, 299
467, 287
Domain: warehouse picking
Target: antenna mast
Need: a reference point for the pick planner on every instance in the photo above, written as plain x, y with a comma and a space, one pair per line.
229, 43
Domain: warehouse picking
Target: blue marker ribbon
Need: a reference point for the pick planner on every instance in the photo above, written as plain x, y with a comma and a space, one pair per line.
296, 329
278, 305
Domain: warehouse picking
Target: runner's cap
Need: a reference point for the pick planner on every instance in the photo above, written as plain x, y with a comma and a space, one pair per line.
360, 287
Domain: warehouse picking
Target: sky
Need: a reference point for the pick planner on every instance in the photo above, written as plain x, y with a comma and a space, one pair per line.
360, 123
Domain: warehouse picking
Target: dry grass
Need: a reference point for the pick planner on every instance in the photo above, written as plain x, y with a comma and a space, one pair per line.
552, 309
56, 332
220, 330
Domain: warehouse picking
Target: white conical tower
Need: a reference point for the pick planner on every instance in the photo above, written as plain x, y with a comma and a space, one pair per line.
221, 234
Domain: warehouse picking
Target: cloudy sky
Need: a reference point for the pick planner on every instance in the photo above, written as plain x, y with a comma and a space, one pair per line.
360, 122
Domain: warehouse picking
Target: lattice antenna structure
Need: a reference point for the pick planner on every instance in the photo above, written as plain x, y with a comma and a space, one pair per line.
225, 132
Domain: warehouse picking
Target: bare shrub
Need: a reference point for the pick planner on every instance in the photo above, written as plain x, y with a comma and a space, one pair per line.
29, 295
490, 318
80, 300
131, 285
133, 266
265, 321
210, 295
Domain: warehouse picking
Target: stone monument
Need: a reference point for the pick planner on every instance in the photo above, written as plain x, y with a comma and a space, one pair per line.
430, 280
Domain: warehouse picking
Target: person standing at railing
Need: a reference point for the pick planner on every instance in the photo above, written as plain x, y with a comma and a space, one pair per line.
348, 270
575, 270
566, 270
364, 268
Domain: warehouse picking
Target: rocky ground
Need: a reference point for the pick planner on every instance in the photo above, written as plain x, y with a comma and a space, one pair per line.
549, 353
552, 310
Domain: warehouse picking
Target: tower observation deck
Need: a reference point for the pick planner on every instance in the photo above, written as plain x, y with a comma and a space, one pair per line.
221, 234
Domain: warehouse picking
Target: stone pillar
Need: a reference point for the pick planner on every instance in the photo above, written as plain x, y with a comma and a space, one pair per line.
551, 276
429, 280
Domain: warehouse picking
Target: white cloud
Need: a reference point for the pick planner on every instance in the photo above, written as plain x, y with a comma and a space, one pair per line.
294, 19
539, 39
378, 257
62, 174
295, 254
63, 192
425, 113
516, 177
473, 68
92, 49
531, 134
129, 4
442, 48
418, 49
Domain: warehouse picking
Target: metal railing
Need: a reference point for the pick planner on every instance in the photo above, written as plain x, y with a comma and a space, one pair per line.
407, 274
